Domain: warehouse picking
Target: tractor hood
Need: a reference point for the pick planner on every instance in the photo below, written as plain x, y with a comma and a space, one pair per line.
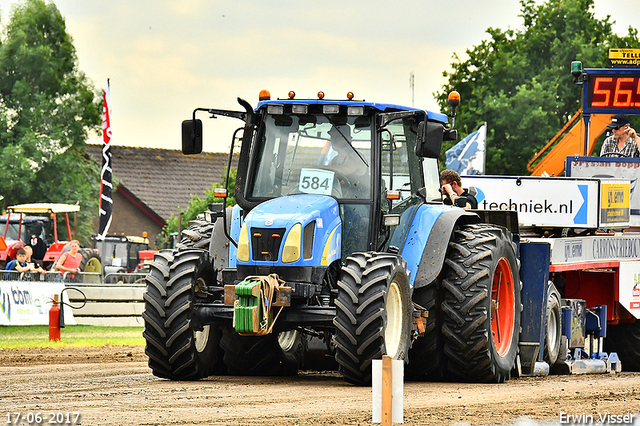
296, 230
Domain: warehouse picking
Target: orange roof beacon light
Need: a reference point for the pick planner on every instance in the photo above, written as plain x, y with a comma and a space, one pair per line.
350, 96
320, 95
264, 95
292, 94
454, 101
144, 234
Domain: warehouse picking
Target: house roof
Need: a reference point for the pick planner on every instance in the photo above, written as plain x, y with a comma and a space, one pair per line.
163, 179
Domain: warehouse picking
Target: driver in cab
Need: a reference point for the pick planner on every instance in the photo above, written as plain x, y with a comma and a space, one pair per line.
348, 162
624, 141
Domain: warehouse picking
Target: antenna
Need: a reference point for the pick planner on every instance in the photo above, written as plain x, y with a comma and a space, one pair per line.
412, 86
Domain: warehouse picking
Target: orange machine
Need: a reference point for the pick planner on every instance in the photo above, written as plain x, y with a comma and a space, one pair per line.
551, 158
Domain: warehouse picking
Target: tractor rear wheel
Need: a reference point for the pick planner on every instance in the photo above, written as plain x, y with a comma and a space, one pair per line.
624, 339
481, 305
554, 326
373, 313
270, 355
197, 235
90, 261
426, 357
177, 348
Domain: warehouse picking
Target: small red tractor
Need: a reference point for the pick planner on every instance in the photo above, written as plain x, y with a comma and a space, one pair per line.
36, 225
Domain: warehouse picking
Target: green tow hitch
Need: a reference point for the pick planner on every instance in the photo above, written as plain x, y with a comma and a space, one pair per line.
253, 301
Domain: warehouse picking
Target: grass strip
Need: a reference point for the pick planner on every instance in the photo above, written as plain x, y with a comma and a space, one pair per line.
37, 336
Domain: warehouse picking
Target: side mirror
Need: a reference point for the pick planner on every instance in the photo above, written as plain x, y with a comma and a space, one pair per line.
451, 135
429, 139
191, 137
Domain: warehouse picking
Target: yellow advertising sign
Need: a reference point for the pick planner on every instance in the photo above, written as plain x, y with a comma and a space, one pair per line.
624, 57
614, 202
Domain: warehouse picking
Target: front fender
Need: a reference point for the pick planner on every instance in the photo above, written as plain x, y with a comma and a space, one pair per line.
431, 258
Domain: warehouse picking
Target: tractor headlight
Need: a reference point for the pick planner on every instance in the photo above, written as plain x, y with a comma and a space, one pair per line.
291, 251
243, 244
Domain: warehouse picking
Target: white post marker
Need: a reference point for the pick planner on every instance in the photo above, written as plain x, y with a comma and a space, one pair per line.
387, 383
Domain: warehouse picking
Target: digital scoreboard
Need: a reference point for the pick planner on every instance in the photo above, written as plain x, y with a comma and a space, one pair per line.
611, 91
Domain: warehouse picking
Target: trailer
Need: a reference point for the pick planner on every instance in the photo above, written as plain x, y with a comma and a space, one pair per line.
581, 228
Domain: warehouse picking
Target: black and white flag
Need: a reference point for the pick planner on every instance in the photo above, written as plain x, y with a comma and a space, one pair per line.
106, 188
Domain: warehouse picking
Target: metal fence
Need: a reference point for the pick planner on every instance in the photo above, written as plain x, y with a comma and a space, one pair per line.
125, 278
79, 278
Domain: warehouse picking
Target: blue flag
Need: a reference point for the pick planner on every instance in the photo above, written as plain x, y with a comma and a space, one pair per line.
467, 156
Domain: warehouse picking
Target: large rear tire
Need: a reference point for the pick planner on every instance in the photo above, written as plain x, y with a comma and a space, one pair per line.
426, 356
482, 304
197, 235
90, 261
373, 313
270, 355
177, 349
624, 339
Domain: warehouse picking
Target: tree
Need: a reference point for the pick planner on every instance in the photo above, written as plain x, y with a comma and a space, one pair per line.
47, 108
519, 82
198, 205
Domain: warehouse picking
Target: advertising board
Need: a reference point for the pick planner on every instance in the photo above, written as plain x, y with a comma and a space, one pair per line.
594, 248
540, 201
608, 167
629, 287
28, 303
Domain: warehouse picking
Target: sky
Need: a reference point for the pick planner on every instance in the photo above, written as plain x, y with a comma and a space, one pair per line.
164, 58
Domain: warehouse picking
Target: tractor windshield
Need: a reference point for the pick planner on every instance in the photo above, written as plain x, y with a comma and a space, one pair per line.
314, 154
30, 227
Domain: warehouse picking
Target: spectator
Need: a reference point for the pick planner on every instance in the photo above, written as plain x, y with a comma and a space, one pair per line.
624, 141
69, 262
453, 193
29, 251
38, 245
19, 264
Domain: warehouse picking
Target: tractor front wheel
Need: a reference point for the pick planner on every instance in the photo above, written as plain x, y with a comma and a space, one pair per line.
373, 313
177, 348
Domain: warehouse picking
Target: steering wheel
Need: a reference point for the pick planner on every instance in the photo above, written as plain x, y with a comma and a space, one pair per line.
346, 187
619, 154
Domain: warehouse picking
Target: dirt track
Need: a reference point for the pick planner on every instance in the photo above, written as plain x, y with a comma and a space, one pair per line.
114, 386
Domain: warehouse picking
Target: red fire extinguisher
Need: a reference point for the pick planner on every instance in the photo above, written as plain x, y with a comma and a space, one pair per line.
54, 320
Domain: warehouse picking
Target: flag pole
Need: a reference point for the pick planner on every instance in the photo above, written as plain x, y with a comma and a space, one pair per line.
484, 157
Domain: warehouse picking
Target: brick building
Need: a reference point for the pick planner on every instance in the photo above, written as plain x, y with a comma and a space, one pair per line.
153, 183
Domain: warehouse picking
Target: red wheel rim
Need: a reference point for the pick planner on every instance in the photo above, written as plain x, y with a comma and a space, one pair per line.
502, 307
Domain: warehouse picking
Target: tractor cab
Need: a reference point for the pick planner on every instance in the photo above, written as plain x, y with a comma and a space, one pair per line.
123, 254
360, 155
338, 168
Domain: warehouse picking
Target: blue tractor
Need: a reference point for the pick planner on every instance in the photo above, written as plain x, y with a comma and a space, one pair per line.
340, 234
